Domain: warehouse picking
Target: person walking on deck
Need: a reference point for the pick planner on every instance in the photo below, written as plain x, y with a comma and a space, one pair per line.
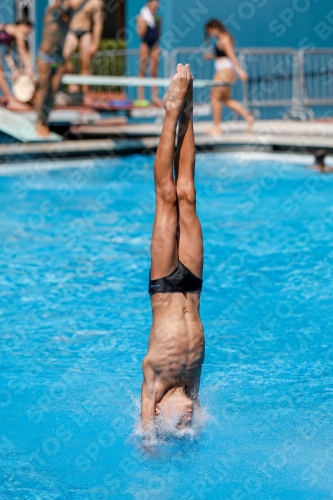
227, 69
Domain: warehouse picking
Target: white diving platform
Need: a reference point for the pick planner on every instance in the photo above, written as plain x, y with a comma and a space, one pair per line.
21, 128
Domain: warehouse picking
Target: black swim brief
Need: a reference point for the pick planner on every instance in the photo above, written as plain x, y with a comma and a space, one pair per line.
79, 33
181, 280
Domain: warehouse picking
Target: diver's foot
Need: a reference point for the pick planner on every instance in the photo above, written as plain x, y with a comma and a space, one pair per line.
249, 122
42, 130
188, 101
215, 130
174, 99
14, 105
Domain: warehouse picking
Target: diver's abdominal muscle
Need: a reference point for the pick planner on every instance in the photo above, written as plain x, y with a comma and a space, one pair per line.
174, 353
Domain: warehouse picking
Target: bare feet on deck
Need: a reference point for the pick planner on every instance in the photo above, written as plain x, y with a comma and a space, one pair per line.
42, 130
174, 99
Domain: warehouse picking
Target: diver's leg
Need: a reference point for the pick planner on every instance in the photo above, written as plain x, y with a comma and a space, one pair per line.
164, 251
190, 233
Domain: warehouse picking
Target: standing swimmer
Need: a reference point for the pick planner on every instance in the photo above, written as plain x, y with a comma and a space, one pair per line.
10, 34
50, 58
227, 68
85, 32
172, 366
149, 28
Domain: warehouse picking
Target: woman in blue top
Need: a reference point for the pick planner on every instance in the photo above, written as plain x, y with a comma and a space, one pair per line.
148, 28
227, 69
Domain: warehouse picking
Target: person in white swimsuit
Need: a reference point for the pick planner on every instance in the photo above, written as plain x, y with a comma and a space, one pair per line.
227, 69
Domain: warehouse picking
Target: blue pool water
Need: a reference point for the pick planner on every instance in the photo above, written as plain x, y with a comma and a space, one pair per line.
75, 318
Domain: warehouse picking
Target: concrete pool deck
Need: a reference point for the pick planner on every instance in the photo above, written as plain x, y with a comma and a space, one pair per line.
270, 135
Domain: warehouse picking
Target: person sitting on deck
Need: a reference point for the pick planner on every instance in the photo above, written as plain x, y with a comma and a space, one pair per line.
172, 366
85, 32
50, 58
11, 34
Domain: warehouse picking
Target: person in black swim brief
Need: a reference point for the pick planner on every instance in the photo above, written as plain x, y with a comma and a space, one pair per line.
149, 28
85, 33
181, 280
173, 363
79, 33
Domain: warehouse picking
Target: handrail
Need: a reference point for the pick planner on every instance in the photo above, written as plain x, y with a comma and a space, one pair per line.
287, 77
131, 81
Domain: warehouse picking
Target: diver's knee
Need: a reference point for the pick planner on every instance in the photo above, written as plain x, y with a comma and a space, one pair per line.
166, 192
186, 192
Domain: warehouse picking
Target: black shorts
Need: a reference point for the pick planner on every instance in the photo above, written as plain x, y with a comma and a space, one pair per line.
181, 280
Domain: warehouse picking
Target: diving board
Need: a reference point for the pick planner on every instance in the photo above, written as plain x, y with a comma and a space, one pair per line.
22, 129
132, 81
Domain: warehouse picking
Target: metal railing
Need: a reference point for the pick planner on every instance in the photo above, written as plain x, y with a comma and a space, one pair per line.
123, 62
293, 82
274, 81
316, 78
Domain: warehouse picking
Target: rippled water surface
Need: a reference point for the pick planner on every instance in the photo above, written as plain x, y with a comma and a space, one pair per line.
75, 318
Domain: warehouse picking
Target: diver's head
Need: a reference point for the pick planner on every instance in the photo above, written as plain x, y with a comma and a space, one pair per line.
177, 406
